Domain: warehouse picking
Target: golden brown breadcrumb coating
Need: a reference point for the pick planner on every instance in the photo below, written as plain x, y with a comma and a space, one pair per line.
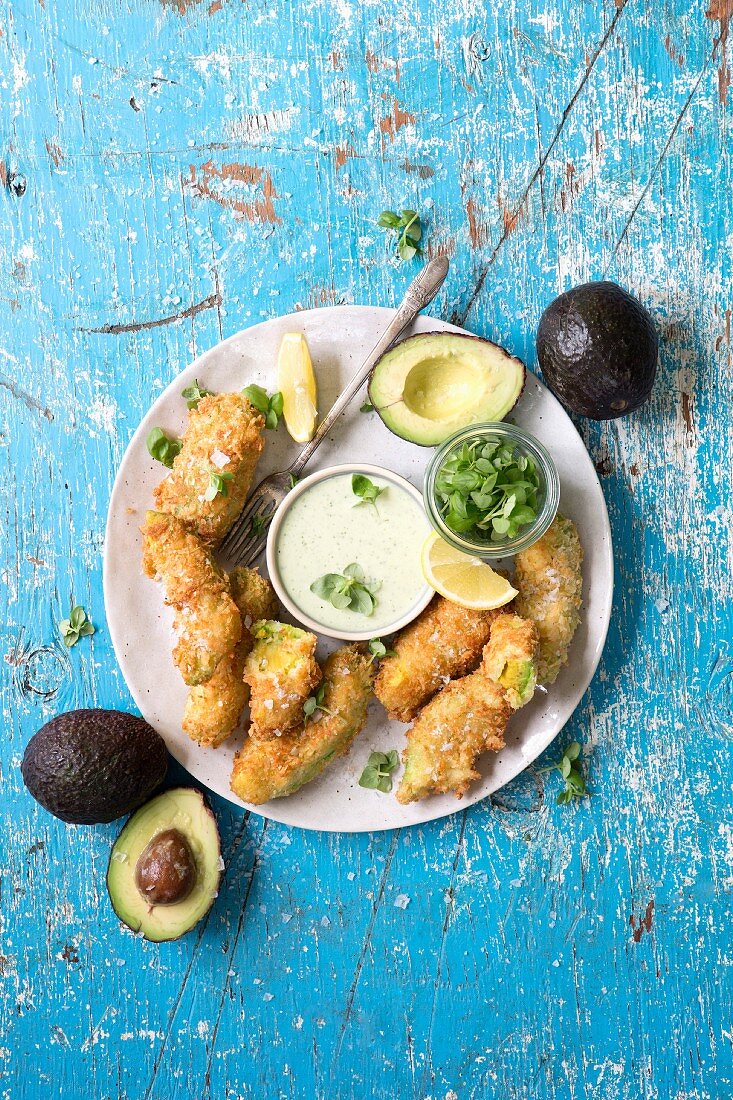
206, 617
549, 579
223, 436
282, 765
468, 717
213, 710
443, 642
510, 657
282, 672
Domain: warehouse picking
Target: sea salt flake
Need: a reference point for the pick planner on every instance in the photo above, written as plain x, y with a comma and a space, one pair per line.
402, 901
219, 459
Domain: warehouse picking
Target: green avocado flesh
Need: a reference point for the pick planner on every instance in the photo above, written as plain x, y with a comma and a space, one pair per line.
433, 384
185, 810
520, 677
90, 766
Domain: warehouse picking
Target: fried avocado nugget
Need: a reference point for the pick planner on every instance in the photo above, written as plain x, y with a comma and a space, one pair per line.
282, 765
282, 672
213, 710
223, 437
468, 717
549, 579
207, 619
510, 657
445, 641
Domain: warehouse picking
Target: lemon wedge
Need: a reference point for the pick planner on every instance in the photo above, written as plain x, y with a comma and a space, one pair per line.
463, 579
297, 383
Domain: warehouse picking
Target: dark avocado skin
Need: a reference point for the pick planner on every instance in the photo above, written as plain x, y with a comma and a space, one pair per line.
93, 766
597, 347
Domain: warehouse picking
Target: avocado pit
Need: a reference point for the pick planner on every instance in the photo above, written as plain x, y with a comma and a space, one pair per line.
166, 871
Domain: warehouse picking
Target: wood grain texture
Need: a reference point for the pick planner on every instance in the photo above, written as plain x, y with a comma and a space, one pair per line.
172, 172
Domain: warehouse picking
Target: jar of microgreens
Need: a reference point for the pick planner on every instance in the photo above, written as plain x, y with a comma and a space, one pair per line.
491, 490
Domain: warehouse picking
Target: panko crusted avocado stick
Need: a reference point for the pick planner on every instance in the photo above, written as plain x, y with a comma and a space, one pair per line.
445, 641
549, 579
207, 619
276, 768
281, 671
470, 715
510, 657
466, 718
213, 710
211, 476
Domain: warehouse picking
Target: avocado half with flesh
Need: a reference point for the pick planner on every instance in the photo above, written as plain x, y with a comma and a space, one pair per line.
597, 347
91, 766
165, 867
431, 385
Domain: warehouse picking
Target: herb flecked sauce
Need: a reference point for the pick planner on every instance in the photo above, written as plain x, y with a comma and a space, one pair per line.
327, 528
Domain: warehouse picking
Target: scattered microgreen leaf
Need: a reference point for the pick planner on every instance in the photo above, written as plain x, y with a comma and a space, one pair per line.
76, 626
569, 768
378, 649
349, 589
193, 394
294, 479
314, 703
257, 524
489, 490
377, 775
270, 405
408, 228
163, 448
365, 489
218, 483
367, 407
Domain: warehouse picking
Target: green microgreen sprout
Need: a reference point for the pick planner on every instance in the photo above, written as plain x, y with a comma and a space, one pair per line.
76, 626
163, 448
488, 489
377, 775
271, 406
366, 490
367, 407
569, 768
257, 524
294, 479
349, 589
218, 483
408, 229
314, 703
378, 649
193, 394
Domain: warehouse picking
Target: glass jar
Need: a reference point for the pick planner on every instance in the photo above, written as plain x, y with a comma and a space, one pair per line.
548, 492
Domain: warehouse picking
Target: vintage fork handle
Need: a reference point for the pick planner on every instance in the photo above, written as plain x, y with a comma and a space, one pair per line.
419, 294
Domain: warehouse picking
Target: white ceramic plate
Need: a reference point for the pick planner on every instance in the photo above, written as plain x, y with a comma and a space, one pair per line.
140, 623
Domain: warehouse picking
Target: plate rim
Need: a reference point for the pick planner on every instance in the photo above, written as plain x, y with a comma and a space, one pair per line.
117, 489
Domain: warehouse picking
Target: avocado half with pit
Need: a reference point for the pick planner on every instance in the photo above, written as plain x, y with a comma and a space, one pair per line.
431, 385
166, 865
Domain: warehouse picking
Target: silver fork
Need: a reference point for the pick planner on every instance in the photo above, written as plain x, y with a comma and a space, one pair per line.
248, 536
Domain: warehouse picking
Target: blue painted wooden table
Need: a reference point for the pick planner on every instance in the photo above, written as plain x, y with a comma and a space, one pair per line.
174, 172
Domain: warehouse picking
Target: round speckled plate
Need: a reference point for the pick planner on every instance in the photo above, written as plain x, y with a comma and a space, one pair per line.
140, 623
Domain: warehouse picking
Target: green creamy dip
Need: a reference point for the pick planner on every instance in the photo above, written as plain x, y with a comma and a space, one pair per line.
327, 528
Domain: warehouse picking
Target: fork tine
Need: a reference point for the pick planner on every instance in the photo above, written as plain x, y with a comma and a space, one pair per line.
229, 545
253, 553
240, 544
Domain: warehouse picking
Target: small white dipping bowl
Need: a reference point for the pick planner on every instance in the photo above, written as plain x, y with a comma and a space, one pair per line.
426, 593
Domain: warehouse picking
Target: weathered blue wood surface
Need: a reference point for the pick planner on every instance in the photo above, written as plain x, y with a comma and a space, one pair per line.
190, 168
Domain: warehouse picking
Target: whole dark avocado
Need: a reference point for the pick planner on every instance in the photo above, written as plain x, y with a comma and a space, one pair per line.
92, 766
597, 347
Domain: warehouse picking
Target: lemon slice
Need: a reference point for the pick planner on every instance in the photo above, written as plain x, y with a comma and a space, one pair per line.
297, 383
463, 579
